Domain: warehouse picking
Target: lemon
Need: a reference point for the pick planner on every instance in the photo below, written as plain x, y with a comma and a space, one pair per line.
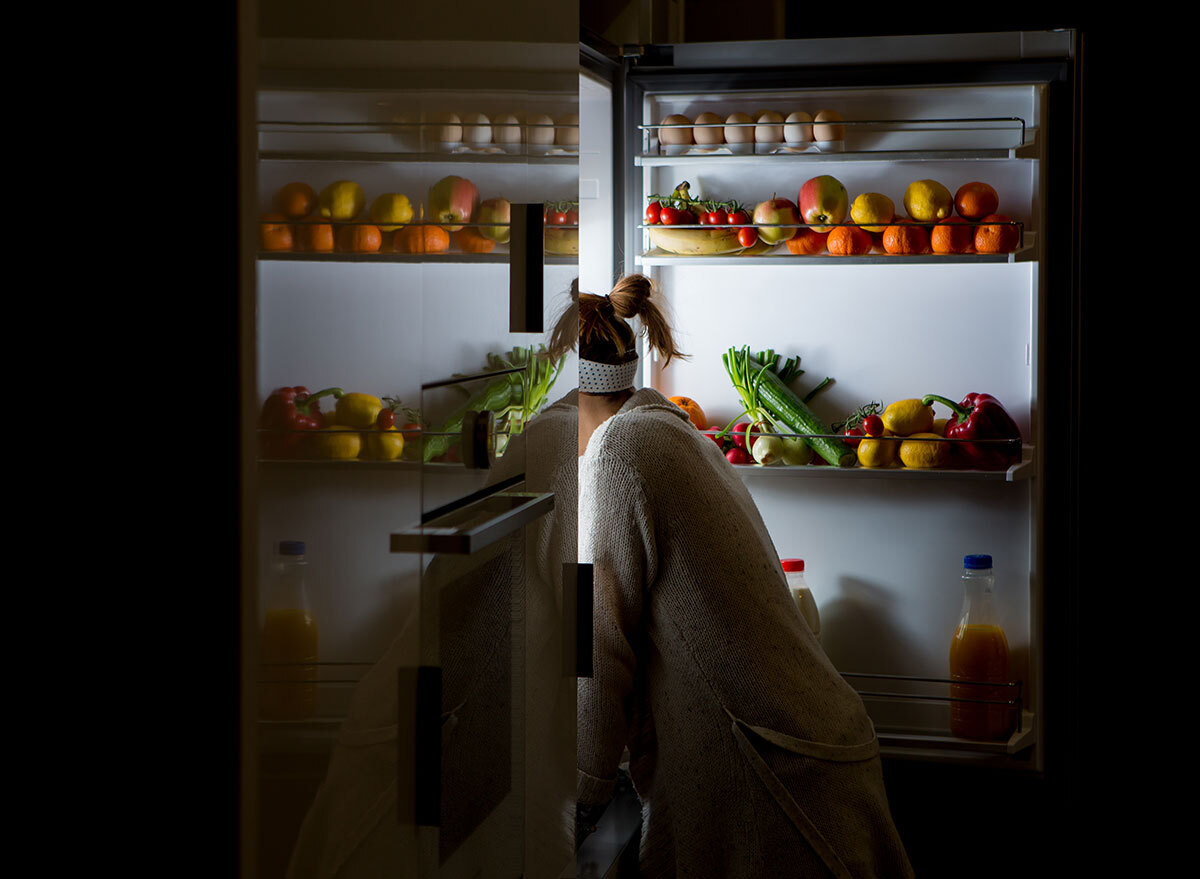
872, 207
919, 452
392, 208
906, 417
385, 445
927, 201
357, 410
336, 441
342, 200
876, 452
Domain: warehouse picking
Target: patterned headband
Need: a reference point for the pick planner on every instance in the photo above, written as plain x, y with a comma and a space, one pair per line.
606, 378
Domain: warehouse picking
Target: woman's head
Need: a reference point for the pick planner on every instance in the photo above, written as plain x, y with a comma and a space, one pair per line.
604, 335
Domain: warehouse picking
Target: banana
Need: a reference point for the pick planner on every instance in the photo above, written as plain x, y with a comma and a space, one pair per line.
694, 242
562, 241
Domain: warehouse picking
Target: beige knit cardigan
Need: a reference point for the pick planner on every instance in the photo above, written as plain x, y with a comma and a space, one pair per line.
751, 754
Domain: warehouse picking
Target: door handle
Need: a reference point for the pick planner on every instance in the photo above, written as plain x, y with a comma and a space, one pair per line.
526, 269
577, 620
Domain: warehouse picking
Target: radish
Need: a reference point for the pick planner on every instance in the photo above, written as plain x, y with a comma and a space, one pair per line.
739, 435
738, 456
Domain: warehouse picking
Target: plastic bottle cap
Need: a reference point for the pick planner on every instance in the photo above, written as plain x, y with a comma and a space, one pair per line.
291, 547
793, 564
977, 562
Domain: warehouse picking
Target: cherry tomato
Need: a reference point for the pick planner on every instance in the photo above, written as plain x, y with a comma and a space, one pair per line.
873, 425
747, 235
853, 432
717, 217
687, 218
702, 219
653, 210
670, 216
572, 217
385, 419
737, 218
557, 218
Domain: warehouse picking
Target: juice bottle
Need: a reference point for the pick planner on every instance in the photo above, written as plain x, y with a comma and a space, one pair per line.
794, 570
979, 652
289, 641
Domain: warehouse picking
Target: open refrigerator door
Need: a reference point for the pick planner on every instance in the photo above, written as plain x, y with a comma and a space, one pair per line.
417, 241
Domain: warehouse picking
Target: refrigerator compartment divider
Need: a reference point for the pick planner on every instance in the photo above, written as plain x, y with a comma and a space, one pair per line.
652, 160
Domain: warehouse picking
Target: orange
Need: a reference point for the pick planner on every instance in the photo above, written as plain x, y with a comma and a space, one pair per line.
692, 408
296, 200
315, 236
951, 235
974, 200
359, 238
469, 240
849, 241
997, 238
905, 237
807, 241
275, 233
417, 238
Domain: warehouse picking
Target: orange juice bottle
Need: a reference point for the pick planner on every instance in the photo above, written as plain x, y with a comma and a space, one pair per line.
979, 653
289, 641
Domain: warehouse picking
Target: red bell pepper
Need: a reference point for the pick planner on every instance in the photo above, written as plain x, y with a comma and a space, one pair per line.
981, 417
286, 413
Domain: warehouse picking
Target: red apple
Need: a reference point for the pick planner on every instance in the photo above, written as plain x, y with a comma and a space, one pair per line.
499, 211
776, 210
823, 200
452, 202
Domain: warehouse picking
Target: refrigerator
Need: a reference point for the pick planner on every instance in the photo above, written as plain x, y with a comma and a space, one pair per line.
436, 579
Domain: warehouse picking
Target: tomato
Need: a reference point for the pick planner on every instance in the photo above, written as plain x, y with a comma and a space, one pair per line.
652, 212
687, 218
873, 425
556, 218
717, 217
702, 219
385, 419
669, 216
737, 218
747, 235
572, 217
853, 432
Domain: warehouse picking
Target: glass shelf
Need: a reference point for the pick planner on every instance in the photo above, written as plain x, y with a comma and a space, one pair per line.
497, 257
779, 255
1000, 137
1016, 473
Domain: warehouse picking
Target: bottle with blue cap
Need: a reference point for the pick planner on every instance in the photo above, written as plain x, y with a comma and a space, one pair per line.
979, 655
289, 639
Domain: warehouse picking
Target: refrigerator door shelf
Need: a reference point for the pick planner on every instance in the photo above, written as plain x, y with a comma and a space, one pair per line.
1016, 473
906, 743
469, 529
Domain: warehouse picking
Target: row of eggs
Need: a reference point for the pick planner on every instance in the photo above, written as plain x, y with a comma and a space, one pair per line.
766, 126
477, 128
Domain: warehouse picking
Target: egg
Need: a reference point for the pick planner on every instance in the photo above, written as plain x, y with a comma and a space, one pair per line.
537, 134
736, 133
567, 133
506, 128
709, 135
796, 131
477, 128
828, 132
769, 129
449, 128
675, 136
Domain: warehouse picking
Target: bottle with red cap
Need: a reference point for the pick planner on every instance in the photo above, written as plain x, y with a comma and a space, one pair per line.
793, 569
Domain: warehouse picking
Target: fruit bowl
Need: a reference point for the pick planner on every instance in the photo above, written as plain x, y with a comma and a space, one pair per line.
695, 242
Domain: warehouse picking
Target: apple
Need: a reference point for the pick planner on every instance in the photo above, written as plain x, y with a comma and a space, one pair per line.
823, 199
776, 210
452, 201
499, 211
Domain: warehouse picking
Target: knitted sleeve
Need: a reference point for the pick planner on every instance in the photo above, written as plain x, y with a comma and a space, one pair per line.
617, 538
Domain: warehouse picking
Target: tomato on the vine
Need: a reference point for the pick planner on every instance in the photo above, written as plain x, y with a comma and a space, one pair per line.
853, 432
572, 217
702, 219
747, 236
557, 218
872, 425
653, 210
385, 419
737, 218
670, 216
717, 217
687, 218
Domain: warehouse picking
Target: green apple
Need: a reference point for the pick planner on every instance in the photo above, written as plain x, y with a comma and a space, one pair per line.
776, 210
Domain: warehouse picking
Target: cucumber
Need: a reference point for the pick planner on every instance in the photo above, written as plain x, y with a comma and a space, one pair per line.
791, 410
